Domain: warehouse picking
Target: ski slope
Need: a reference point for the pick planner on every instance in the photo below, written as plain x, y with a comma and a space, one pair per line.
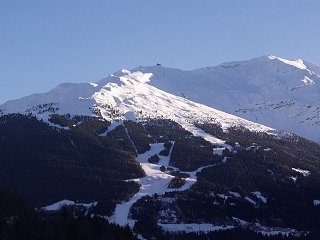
155, 181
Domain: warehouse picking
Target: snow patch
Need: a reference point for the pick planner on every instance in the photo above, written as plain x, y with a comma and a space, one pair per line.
316, 202
198, 132
235, 194
305, 173
218, 150
260, 196
307, 81
294, 179
59, 205
296, 63
240, 221
113, 125
250, 201
223, 196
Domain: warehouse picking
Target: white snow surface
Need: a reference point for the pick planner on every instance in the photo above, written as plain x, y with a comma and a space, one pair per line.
260, 196
294, 179
112, 126
235, 194
316, 202
57, 206
305, 173
250, 200
296, 63
218, 151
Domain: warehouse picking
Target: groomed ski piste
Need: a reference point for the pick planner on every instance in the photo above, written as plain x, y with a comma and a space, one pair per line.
155, 181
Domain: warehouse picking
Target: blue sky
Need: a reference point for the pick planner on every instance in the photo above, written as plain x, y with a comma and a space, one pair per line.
46, 42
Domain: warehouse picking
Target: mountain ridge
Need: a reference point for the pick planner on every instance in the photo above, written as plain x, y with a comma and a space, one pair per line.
268, 90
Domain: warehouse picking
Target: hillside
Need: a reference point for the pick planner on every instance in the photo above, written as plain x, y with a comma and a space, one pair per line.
251, 184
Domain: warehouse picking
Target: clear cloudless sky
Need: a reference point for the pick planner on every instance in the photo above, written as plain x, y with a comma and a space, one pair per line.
47, 42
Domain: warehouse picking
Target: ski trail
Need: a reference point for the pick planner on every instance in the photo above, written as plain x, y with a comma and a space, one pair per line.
132, 143
155, 181
198, 132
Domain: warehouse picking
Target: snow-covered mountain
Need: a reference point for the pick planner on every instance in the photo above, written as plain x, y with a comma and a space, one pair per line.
178, 166
269, 90
126, 95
